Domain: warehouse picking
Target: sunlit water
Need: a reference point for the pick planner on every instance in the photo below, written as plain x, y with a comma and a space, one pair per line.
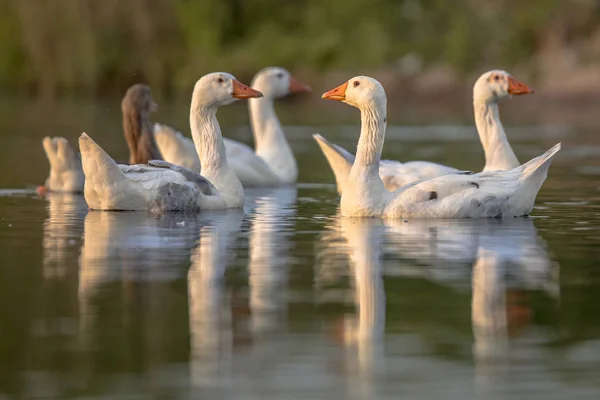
286, 300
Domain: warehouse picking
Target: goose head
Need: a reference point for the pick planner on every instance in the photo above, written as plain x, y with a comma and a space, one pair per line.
138, 99
360, 92
220, 89
277, 82
497, 85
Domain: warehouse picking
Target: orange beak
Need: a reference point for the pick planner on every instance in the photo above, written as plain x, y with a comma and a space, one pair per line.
298, 87
241, 91
339, 93
516, 87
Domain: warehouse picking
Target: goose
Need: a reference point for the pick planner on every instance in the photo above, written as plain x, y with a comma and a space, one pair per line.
162, 186
489, 89
509, 193
272, 163
66, 172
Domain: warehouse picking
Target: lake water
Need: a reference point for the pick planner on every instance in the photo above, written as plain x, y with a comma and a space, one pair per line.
286, 300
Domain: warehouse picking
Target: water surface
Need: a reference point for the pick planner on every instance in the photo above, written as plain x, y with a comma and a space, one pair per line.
287, 300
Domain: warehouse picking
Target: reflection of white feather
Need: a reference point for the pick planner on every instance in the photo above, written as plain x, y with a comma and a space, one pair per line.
427, 247
510, 255
131, 247
357, 243
210, 327
363, 333
134, 257
489, 306
364, 243
430, 241
135, 246
62, 232
269, 260
438, 250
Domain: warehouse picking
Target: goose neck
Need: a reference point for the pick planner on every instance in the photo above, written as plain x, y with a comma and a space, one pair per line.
372, 136
498, 152
132, 128
266, 127
208, 141
140, 139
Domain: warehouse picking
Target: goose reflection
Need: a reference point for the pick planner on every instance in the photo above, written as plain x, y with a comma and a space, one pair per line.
437, 250
211, 334
269, 256
511, 262
134, 247
63, 231
129, 306
362, 334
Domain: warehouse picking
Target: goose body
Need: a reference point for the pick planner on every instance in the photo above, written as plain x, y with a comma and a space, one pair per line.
394, 174
508, 193
177, 148
491, 87
66, 172
272, 162
162, 186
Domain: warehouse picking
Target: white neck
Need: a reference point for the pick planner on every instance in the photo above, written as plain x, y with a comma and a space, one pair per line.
498, 153
370, 143
206, 134
270, 141
372, 136
365, 190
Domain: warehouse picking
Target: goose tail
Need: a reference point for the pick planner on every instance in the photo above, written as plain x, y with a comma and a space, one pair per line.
163, 134
98, 166
66, 172
536, 170
340, 160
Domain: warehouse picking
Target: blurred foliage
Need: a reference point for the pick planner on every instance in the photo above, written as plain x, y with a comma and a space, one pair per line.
52, 47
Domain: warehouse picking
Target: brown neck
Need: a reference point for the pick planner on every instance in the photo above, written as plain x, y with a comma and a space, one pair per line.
140, 138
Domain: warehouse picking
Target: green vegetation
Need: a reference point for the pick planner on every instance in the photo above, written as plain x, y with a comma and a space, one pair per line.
89, 46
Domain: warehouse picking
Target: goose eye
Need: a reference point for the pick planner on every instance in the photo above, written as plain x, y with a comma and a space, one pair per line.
356, 83
220, 80
280, 75
496, 78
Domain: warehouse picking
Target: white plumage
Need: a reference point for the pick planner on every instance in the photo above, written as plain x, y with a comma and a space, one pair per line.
488, 194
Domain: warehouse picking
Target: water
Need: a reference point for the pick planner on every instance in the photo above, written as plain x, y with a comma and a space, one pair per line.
288, 300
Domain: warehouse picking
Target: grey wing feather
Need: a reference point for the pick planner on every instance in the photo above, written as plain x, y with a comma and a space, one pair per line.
203, 184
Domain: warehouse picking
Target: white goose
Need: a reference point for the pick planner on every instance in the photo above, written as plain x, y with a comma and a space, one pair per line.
273, 162
66, 173
486, 194
163, 186
491, 87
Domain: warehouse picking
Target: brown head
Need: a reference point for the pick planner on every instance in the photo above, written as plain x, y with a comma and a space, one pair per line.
138, 98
